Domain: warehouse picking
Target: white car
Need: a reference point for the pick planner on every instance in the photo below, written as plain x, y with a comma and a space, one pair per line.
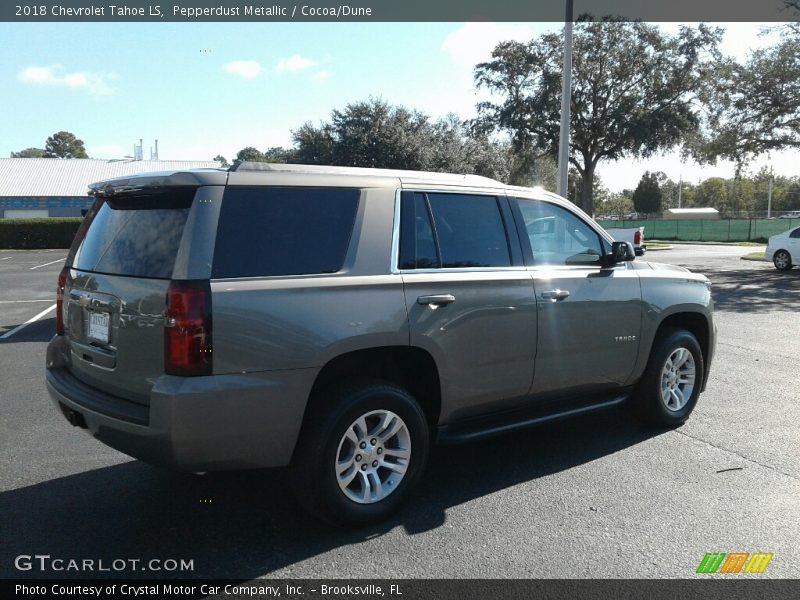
784, 249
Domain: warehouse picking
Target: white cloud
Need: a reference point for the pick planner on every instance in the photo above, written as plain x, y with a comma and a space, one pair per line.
296, 63
246, 69
96, 84
321, 75
473, 42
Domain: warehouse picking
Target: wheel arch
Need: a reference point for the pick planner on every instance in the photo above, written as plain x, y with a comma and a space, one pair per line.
698, 324
410, 367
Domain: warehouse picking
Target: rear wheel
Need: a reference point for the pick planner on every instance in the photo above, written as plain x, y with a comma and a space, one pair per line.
360, 452
782, 260
671, 384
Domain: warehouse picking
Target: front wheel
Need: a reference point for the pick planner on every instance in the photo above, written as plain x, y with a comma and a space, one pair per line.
361, 451
668, 391
782, 260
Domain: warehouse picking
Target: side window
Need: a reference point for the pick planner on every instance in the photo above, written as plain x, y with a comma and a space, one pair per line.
418, 249
795, 233
452, 231
557, 236
267, 231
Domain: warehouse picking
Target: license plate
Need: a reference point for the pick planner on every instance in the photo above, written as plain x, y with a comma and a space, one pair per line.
98, 326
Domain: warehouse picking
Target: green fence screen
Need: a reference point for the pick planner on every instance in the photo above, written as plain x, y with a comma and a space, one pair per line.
731, 230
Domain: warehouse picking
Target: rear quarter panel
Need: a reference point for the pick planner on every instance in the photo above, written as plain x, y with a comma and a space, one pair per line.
294, 322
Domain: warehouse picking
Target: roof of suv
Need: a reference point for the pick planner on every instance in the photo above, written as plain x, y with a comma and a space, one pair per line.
253, 172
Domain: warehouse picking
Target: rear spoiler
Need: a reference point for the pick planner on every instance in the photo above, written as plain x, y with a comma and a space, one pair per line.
157, 181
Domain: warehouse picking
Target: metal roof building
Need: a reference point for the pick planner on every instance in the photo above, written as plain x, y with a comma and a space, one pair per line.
52, 187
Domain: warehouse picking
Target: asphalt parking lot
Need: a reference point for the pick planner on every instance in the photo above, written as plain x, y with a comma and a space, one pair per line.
596, 497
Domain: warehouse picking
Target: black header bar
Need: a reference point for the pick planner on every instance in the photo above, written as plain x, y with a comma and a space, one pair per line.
193, 11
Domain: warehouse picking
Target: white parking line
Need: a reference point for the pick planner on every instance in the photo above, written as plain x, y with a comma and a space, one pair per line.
45, 264
8, 334
7, 258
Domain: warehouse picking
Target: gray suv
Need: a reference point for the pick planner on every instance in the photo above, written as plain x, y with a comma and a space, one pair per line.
341, 320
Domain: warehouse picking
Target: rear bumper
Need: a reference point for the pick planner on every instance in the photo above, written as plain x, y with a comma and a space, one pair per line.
213, 423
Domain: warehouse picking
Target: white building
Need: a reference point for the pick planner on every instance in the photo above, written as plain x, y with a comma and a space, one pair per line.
54, 187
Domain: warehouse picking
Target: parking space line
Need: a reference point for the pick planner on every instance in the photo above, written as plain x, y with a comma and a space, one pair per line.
7, 258
45, 264
8, 334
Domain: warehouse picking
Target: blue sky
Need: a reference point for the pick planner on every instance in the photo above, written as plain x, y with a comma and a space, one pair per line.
211, 88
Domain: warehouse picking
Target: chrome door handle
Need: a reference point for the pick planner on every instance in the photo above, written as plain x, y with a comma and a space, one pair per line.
555, 295
436, 300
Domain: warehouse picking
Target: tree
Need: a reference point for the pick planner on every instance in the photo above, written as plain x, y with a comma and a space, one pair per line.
647, 195
64, 145
28, 153
221, 159
751, 108
373, 133
366, 134
279, 154
249, 154
712, 192
632, 91
617, 205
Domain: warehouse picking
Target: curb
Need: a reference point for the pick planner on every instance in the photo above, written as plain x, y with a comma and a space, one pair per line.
754, 258
667, 247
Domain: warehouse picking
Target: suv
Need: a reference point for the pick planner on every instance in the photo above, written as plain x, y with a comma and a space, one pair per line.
340, 320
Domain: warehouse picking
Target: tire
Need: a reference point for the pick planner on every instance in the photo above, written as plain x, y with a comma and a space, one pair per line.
351, 425
782, 260
675, 354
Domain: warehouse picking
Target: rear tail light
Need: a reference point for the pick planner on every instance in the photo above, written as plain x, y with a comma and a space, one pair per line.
62, 281
637, 238
187, 329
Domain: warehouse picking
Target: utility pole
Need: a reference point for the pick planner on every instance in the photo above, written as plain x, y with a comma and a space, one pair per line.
769, 198
680, 188
566, 90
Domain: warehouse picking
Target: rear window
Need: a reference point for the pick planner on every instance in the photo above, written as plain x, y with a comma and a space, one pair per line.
136, 234
269, 231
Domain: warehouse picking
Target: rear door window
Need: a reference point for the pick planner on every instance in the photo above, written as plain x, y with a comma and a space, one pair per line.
453, 231
137, 235
269, 231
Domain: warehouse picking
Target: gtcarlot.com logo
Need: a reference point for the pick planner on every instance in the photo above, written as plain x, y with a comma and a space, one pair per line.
734, 562
46, 563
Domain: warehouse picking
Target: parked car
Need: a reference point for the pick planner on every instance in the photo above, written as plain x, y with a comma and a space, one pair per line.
339, 321
632, 235
784, 249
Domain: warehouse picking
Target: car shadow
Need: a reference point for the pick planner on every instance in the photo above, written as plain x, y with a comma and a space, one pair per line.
761, 290
39, 331
243, 525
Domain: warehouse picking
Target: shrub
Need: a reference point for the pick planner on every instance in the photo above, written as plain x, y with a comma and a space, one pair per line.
25, 234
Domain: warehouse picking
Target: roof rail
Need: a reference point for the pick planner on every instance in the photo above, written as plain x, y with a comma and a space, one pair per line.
364, 172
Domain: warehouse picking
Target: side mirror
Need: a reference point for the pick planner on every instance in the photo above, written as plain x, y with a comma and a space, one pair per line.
620, 252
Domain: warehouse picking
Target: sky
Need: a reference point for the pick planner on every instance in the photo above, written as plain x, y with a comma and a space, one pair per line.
204, 89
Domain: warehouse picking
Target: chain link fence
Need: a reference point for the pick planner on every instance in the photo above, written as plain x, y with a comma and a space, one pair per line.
700, 230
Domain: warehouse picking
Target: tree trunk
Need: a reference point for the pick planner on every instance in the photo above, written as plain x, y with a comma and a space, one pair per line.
587, 190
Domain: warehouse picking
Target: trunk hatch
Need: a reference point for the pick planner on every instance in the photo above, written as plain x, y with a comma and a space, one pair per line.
114, 297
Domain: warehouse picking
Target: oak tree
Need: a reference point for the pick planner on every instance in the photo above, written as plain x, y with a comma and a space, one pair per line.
632, 91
